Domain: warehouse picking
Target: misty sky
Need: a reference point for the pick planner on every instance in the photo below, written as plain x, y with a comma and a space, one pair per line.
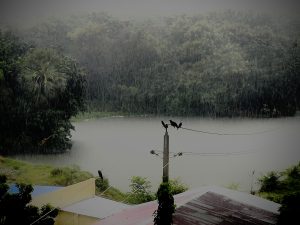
34, 10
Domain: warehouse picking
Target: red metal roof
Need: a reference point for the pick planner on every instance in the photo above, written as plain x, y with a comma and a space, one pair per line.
212, 208
208, 205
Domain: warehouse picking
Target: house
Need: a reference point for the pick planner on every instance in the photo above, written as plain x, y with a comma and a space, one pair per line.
78, 204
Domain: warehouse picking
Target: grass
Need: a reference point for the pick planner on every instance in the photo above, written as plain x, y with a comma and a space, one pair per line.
21, 172
113, 194
18, 171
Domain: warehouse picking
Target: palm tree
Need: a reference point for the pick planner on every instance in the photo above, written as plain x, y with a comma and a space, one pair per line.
45, 69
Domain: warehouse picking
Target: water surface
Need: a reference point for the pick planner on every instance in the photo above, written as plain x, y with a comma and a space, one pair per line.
120, 147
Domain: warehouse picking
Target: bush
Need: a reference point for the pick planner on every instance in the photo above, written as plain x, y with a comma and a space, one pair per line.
140, 190
270, 182
56, 172
177, 186
102, 185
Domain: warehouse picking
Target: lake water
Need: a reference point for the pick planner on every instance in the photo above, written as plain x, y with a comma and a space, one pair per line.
120, 148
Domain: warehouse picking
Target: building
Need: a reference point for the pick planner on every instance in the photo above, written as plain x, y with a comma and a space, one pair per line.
78, 204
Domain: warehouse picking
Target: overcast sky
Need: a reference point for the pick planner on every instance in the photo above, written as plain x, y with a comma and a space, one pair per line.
35, 10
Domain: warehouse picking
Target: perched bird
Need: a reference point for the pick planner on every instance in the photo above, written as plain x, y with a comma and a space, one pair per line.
153, 152
100, 174
164, 125
179, 125
173, 124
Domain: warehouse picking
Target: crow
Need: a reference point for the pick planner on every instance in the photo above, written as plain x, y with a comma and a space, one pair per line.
164, 125
100, 174
173, 124
179, 125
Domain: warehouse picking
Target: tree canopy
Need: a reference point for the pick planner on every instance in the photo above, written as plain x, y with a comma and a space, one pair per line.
217, 64
40, 90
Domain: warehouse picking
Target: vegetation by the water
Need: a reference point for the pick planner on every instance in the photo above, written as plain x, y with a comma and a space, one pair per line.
18, 171
284, 188
276, 185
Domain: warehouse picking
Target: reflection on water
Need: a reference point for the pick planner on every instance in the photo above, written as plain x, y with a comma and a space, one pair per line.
120, 147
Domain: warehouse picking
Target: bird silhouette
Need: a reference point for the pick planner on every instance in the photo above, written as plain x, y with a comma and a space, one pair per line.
179, 125
173, 124
164, 125
100, 174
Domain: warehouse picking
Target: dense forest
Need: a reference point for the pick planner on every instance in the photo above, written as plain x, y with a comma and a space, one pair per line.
216, 64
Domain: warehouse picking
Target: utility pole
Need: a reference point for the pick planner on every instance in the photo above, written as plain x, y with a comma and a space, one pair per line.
166, 158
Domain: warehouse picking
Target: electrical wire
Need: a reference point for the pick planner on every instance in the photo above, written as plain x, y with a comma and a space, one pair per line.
219, 133
218, 153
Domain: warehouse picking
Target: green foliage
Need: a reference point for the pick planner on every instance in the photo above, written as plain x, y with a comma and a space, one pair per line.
49, 175
41, 90
177, 187
102, 185
218, 64
69, 175
275, 186
140, 190
270, 182
15, 208
166, 206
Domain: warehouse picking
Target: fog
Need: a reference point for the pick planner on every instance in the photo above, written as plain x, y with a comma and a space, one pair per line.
31, 11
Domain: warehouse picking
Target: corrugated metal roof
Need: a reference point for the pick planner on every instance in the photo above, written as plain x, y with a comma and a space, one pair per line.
206, 205
212, 208
96, 207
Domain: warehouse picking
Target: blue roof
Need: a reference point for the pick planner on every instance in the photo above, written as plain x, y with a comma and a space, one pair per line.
37, 189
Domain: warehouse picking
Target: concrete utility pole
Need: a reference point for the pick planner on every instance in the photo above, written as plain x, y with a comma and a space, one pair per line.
166, 158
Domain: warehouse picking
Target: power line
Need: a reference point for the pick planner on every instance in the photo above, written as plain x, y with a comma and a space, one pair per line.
208, 153
218, 153
220, 133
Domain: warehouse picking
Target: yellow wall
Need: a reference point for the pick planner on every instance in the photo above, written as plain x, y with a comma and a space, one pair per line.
68, 218
67, 195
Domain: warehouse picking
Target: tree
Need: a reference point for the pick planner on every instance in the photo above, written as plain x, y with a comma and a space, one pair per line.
15, 208
166, 206
44, 71
11, 110
41, 90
